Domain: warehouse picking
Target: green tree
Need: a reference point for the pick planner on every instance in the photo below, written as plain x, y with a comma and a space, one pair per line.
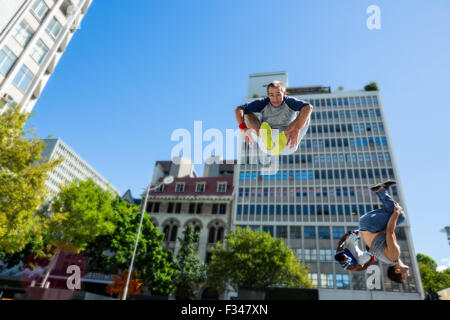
13, 259
428, 261
432, 280
81, 212
22, 182
255, 258
372, 86
112, 253
78, 214
191, 269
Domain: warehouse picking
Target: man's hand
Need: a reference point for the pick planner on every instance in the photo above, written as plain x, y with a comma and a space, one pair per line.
247, 135
398, 210
292, 133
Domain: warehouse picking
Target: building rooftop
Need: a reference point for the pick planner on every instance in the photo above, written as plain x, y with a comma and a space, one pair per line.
308, 90
211, 188
165, 165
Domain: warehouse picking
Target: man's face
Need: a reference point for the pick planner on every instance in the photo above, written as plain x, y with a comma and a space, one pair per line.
403, 270
276, 96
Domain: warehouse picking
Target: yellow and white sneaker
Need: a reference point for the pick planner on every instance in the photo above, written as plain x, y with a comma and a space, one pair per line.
279, 144
265, 133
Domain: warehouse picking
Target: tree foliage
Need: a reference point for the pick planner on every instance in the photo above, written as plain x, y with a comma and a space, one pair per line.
432, 280
191, 269
255, 258
81, 212
112, 253
372, 86
22, 182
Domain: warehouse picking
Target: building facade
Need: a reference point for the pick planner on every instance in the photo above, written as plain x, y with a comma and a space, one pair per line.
73, 167
316, 195
204, 202
33, 37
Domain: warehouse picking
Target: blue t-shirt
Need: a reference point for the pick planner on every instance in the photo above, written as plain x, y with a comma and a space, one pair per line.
277, 117
351, 259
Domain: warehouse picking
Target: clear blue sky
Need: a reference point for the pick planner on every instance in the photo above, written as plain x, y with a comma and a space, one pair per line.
137, 70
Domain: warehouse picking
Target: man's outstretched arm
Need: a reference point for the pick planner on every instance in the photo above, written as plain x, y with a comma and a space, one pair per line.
361, 268
392, 248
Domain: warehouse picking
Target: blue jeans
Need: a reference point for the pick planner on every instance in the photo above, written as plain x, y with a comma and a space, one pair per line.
377, 220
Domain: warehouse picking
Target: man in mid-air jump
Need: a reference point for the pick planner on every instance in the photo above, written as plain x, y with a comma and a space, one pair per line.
280, 112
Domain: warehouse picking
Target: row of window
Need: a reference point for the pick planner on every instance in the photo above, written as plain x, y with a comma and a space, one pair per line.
192, 208
39, 9
344, 142
371, 101
295, 232
338, 128
346, 114
306, 192
215, 234
278, 209
319, 174
23, 34
58, 175
199, 187
75, 163
327, 280
310, 232
310, 255
336, 158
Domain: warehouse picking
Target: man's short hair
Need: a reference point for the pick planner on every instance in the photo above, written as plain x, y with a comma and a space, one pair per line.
276, 84
396, 277
340, 257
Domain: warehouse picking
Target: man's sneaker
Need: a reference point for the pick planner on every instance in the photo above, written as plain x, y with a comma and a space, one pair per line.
265, 133
279, 144
382, 185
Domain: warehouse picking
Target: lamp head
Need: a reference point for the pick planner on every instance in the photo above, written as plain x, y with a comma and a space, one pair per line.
168, 180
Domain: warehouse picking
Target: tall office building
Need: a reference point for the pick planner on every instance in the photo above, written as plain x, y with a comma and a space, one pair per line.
73, 167
317, 194
33, 37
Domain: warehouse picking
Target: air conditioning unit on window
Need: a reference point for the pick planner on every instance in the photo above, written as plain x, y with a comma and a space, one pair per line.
7, 98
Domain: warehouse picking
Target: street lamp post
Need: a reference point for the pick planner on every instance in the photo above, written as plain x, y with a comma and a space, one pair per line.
166, 180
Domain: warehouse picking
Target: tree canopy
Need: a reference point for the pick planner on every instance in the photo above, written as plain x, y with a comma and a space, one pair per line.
372, 86
80, 212
22, 182
432, 280
112, 253
191, 269
255, 258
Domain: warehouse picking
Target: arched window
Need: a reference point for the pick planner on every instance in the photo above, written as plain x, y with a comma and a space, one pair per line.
166, 233
173, 235
211, 235
219, 234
